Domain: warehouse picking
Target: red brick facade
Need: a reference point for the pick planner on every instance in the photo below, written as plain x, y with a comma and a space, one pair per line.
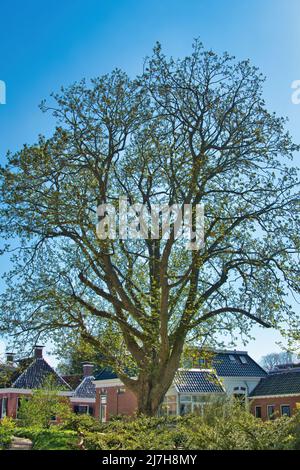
293, 401
119, 401
12, 402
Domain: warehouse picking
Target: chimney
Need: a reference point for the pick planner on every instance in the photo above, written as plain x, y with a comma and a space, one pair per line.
10, 358
88, 369
38, 352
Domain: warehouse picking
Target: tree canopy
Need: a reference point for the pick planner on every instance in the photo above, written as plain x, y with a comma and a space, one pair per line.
189, 131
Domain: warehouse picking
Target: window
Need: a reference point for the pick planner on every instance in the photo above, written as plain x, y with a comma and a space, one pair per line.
103, 406
83, 409
285, 410
3, 407
232, 357
19, 401
169, 406
243, 359
271, 411
193, 404
258, 412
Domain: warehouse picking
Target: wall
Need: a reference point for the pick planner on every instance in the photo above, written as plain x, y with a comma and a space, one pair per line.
11, 403
277, 401
231, 382
117, 403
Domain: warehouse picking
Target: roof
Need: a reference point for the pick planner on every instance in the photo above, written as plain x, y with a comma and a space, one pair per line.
34, 376
281, 383
197, 381
236, 364
86, 389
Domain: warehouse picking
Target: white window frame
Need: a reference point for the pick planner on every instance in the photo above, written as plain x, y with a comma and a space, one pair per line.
268, 415
194, 404
3, 400
103, 408
243, 360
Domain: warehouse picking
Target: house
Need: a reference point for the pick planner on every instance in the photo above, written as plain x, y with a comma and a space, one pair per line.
238, 372
277, 394
33, 377
103, 394
84, 397
79, 389
230, 372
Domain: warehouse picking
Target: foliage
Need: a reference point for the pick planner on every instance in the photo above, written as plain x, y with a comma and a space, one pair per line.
43, 406
221, 428
224, 426
7, 427
78, 422
54, 438
74, 353
189, 131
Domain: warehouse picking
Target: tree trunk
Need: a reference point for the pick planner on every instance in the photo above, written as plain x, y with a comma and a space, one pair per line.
151, 388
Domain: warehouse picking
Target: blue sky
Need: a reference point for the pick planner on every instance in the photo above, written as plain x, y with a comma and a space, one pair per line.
44, 45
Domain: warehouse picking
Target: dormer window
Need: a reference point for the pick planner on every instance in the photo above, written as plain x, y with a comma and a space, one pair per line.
243, 359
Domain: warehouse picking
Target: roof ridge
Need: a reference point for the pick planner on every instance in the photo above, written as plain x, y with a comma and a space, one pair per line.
91, 377
35, 360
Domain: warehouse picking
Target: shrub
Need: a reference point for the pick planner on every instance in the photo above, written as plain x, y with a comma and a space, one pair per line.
49, 439
226, 427
7, 427
44, 404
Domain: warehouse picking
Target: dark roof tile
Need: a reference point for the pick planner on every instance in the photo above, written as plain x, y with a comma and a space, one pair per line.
226, 367
281, 383
86, 389
35, 375
197, 381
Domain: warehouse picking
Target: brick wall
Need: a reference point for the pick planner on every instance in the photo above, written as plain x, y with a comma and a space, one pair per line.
12, 403
292, 401
124, 403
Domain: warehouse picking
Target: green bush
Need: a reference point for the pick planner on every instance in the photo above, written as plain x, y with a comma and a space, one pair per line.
54, 438
7, 427
223, 427
44, 404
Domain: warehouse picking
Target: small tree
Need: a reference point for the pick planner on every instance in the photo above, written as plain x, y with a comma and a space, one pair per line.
270, 361
44, 404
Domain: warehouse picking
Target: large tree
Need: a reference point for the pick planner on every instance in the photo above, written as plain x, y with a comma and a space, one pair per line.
190, 131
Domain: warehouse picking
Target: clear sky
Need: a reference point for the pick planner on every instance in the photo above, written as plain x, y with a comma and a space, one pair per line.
44, 45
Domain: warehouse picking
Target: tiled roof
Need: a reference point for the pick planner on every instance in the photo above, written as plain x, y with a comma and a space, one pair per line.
197, 381
36, 373
281, 383
236, 364
86, 389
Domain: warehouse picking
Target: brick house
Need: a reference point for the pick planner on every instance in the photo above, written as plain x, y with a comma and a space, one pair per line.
230, 372
82, 398
103, 394
30, 379
277, 394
